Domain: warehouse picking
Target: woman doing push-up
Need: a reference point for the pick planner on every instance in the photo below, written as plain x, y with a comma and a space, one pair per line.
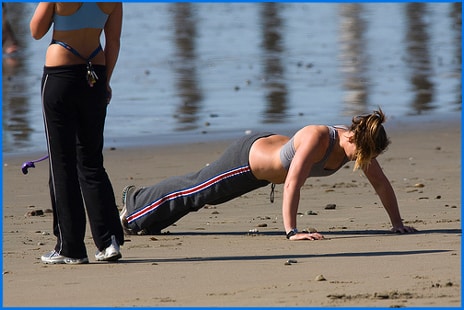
258, 160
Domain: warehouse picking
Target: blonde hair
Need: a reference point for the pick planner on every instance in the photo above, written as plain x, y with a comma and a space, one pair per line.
369, 137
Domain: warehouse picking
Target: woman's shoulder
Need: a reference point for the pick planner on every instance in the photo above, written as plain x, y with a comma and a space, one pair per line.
69, 8
313, 130
108, 7
312, 134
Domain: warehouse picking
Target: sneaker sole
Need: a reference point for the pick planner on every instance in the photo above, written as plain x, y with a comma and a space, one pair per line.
123, 213
110, 259
113, 258
66, 261
53, 262
72, 262
57, 259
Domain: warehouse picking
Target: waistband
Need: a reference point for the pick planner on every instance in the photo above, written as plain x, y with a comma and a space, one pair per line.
72, 68
245, 142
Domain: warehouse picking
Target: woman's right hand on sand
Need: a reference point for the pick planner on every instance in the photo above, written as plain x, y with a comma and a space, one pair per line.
306, 236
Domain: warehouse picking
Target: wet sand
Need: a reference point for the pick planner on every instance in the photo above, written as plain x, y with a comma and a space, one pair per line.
236, 254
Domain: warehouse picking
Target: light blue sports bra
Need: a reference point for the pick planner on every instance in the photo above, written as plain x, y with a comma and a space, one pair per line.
89, 15
288, 152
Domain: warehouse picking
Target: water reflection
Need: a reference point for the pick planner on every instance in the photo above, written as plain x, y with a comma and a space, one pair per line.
420, 71
15, 107
15, 98
417, 47
274, 87
354, 58
456, 27
188, 91
10, 43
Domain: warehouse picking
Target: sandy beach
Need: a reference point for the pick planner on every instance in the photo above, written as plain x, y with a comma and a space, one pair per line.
236, 254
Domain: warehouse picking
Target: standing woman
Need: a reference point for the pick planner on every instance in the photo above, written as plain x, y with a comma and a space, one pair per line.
75, 94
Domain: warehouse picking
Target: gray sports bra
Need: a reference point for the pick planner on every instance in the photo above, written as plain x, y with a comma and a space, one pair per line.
288, 152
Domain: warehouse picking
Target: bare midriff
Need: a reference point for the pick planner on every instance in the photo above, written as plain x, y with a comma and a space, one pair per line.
265, 159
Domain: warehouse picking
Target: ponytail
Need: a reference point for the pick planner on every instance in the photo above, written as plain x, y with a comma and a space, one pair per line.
369, 137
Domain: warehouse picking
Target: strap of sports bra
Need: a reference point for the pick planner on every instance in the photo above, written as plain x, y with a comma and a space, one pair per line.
72, 50
91, 75
333, 136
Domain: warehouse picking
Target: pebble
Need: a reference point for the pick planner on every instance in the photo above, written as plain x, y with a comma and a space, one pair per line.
290, 261
253, 232
419, 185
320, 278
330, 206
34, 213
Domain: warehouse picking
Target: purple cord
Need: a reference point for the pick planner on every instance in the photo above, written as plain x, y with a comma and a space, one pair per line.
30, 164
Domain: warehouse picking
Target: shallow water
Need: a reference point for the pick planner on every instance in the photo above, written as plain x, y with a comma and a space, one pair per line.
190, 71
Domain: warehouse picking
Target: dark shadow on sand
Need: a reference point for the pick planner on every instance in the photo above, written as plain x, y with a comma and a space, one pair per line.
279, 257
345, 233
336, 234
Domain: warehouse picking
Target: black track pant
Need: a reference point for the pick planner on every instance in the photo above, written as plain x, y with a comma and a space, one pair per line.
74, 117
156, 207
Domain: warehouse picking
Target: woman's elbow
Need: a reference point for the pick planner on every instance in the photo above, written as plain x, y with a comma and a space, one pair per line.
36, 34
38, 29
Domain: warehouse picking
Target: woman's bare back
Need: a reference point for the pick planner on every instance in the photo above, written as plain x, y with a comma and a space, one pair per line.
85, 41
265, 159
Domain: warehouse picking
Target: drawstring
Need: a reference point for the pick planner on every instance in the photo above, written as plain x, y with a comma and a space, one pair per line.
271, 195
91, 75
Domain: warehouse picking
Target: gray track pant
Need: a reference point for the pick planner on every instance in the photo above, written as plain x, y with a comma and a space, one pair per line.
156, 207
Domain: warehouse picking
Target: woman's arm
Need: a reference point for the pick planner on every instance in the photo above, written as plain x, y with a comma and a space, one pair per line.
298, 172
387, 196
113, 28
42, 19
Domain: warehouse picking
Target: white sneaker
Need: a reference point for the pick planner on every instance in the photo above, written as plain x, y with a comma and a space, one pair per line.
111, 253
123, 213
53, 257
